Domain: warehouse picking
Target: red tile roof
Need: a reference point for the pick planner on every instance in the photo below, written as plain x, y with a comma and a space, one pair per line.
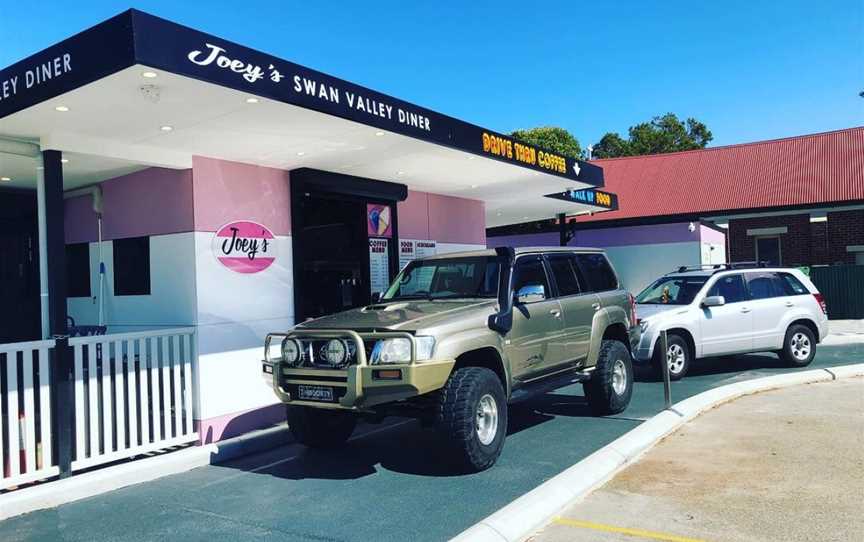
804, 170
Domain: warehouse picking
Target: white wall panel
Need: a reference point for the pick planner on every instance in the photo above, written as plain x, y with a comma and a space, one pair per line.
444, 248
639, 265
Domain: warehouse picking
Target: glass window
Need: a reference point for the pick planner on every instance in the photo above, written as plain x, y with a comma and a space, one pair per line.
597, 271
563, 268
731, 287
768, 250
132, 266
446, 278
529, 272
791, 285
764, 285
78, 270
672, 291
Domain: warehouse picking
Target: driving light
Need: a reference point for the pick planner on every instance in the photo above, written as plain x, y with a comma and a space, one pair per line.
335, 352
643, 325
291, 351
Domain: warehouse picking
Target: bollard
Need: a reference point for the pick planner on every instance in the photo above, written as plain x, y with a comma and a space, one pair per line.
667, 383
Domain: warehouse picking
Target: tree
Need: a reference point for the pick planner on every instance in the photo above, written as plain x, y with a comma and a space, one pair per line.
551, 138
660, 135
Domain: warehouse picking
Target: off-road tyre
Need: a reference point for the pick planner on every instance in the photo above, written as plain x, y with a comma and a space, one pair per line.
798, 337
458, 418
603, 395
679, 368
320, 428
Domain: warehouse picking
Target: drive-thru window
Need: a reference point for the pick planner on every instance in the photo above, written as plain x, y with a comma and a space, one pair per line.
209, 193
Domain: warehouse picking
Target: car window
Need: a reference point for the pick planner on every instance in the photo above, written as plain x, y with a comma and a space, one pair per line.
564, 270
791, 285
671, 291
529, 272
764, 285
597, 271
731, 287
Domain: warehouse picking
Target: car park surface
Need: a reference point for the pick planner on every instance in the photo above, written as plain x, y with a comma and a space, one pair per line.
388, 485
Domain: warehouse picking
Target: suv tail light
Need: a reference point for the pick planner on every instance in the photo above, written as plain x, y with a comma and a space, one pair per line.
821, 300
633, 320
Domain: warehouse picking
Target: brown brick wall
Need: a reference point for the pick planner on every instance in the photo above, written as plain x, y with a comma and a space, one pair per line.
844, 228
805, 243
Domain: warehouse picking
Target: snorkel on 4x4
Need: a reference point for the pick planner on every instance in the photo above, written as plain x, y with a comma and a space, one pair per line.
502, 321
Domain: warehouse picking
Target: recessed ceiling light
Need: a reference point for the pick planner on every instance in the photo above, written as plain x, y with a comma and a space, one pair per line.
524, 218
149, 75
499, 213
536, 174
379, 134
4, 179
166, 128
474, 186
301, 153
64, 160
470, 157
61, 108
400, 173
251, 100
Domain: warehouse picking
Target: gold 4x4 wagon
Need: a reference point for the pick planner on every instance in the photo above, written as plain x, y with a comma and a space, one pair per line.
456, 338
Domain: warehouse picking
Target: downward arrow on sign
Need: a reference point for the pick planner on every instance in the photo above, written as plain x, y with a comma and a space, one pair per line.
576, 167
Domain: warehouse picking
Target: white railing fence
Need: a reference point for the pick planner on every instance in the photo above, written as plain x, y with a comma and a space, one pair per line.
25, 413
133, 394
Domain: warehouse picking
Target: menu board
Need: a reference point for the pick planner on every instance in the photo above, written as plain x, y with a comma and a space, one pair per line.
410, 249
379, 265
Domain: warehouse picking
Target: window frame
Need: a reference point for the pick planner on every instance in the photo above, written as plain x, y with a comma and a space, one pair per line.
72, 292
591, 289
126, 291
710, 286
779, 247
550, 294
574, 262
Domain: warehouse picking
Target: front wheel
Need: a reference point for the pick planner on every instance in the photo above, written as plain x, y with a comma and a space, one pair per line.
472, 416
611, 385
799, 346
320, 428
678, 357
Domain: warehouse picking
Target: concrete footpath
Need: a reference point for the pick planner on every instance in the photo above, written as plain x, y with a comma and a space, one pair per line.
780, 465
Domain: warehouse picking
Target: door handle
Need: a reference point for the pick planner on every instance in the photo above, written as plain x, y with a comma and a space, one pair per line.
595, 306
555, 313
745, 309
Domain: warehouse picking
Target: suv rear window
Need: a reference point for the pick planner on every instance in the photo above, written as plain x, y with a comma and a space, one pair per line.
791, 285
765, 285
597, 271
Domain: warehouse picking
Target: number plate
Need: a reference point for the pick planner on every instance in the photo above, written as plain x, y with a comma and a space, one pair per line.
315, 393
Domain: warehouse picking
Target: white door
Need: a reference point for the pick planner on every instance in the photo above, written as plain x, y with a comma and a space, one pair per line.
770, 305
727, 329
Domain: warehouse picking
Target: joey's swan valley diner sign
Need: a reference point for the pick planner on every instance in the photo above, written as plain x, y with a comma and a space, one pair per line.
245, 246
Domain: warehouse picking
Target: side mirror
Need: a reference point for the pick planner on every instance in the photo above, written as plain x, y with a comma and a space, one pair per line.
376, 297
714, 301
531, 293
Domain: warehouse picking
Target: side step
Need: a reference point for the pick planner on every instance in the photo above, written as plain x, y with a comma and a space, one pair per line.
549, 383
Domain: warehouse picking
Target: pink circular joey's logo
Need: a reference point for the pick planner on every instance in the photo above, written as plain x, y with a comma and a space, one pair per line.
245, 246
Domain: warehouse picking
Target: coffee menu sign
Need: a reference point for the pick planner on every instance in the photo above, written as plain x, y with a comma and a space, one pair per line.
245, 246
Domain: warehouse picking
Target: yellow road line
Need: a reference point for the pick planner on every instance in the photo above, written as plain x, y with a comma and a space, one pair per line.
623, 530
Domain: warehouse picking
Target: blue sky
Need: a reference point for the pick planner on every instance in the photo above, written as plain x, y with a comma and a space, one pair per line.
749, 70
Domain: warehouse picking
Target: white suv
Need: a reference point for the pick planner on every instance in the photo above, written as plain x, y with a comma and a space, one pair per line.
730, 309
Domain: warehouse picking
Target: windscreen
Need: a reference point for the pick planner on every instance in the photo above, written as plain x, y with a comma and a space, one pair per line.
671, 291
446, 278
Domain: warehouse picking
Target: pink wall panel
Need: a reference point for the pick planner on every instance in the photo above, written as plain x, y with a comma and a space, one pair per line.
154, 201
456, 220
414, 216
227, 191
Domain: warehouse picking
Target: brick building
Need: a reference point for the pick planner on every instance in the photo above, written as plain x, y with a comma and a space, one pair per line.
794, 201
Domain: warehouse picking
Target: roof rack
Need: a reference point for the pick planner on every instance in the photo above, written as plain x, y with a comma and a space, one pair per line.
717, 267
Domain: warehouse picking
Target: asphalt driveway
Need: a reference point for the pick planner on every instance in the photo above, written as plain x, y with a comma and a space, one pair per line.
390, 483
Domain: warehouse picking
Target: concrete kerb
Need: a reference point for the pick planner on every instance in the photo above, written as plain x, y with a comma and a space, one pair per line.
89, 484
533, 510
